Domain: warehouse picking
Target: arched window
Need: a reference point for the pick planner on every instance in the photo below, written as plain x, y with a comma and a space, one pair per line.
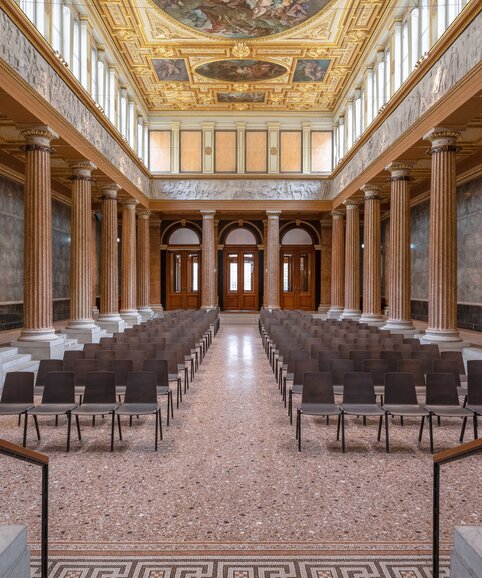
183, 236
297, 236
240, 236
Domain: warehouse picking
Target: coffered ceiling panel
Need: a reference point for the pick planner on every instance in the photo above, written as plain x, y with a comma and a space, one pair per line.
261, 55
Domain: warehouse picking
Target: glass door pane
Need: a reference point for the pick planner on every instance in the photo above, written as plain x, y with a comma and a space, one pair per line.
305, 272
193, 272
287, 272
248, 272
176, 272
233, 272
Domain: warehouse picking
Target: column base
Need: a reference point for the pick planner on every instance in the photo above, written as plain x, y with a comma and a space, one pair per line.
372, 320
111, 323
146, 313
95, 312
84, 334
323, 308
354, 314
334, 312
49, 349
131, 317
446, 340
157, 308
404, 327
272, 307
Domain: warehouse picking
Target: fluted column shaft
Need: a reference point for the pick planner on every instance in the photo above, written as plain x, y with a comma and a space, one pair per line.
155, 264
37, 300
372, 258
93, 250
143, 265
109, 275
337, 265
272, 261
326, 236
442, 288
352, 261
208, 271
399, 266
128, 262
81, 248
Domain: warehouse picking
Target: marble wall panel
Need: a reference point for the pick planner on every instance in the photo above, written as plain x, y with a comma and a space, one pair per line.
26, 61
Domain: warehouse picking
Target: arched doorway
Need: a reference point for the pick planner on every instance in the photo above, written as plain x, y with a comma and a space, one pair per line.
183, 269
297, 270
240, 287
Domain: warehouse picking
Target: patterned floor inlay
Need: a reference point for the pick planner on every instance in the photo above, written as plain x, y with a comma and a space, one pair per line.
382, 566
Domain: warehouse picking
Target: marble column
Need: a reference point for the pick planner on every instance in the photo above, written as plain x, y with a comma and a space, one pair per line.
372, 258
272, 271
352, 261
128, 309
326, 235
38, 336
93, 257
155, 265
81, 325
109, 318
337, 265
399, 267
265, 262
442, 286
208, 271
143, 266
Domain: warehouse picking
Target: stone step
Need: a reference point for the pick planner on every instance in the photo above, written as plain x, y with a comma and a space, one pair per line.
14, 552
238, 318
6, 352
7, 364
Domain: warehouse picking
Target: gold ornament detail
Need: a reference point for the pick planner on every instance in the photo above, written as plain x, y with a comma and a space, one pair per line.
241, 50
318, 52
240, 87
164, 51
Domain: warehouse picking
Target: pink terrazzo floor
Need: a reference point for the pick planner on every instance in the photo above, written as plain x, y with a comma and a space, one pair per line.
229, 471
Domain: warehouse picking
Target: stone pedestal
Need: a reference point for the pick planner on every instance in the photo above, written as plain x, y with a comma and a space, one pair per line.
372, 294
128, 311
81, 325
109, 318
14, 552
272, 261
399, 283
442, 296
352, 261
466, 558
143, 266
208, 271
337, 265
37, 303
42, 349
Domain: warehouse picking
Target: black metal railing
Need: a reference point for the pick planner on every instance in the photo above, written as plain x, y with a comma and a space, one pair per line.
37, 459
452, 455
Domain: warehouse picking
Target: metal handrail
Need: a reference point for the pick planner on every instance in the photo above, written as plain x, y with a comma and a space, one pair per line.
446, 457
37, 459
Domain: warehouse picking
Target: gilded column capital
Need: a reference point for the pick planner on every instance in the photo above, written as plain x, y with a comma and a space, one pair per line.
38, 138
144, 214
129, 203
351, 204
338, 214
108, 190
443, 139
399, 171
208, 214
372, 192
82, 170
273, 215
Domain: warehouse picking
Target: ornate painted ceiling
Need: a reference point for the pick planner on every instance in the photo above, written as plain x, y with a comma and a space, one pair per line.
262, 55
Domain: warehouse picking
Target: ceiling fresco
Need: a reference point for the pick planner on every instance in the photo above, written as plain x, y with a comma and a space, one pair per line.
210, 55
241, 18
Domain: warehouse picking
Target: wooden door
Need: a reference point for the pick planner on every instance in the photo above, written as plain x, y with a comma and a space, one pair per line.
183, 279
298, 278
240, 279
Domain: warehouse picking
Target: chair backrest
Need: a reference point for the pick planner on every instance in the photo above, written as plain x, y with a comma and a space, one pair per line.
120, 349
474, 366
170, 357
159, 367
405, 350
59, 387
413, 342
377, 368
18, 387
474, 389
358, 388
45, 367
326, 355
104, 356
70, 357
100, 387
338, 369
415, 367
454, 356
441, 389
447, 366
82, 367
141, 387
303, 366
426, 359
121, 369
400, 389
294, 356
90, 349
432, 348
316, 348
358, 357
318, 388
392, 357
106, 342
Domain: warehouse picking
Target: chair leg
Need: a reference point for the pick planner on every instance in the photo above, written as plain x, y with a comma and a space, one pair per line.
160, 424
112, 432
462, 433
24, 443
343, 431
476, 436
93, 421
130, 421
77, 423
364, 420
290, 407
298, 417
177, 396
180, 388
35, 421
439, 421
338, 428
401, 420
69, 422
119, 426
422, 423
172, 405
168, 408
387, 439
19, 420
157, 426
56, 420
430, 428
380, 423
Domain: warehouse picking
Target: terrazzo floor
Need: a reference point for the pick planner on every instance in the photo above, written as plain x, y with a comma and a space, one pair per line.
228, 472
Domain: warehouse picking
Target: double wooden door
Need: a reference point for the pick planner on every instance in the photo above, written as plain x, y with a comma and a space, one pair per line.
183, 279
298, 278
240, 279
